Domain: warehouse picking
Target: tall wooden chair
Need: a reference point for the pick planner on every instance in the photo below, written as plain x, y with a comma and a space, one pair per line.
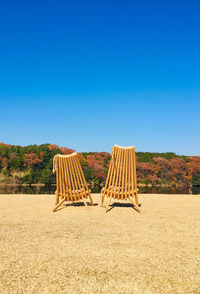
121, 182
70, 181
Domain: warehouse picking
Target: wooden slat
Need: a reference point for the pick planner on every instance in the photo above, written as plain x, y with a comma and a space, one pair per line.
116, 156
78, 184
107, 182
111, 172
57, 180
132, 172
135, 176
126, 172
70, 197
63, 179
129, 171
83, 177
60, 178
117, 174
75, 180
78, 166
120, 172
72, 180
123, 172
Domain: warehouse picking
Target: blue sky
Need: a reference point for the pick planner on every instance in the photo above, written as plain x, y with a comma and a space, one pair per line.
90, 74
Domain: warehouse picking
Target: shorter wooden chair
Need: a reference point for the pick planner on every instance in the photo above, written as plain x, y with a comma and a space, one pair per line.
70, 181
121, 182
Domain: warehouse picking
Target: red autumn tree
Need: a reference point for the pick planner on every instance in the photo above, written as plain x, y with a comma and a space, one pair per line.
64, 150
52, 146
193, 167
31, 159
6, 145
5, 162
82, 159
96, 163
42, 155
12, 156
145, 171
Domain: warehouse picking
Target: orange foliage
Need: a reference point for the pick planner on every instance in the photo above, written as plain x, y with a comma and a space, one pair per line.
146, 171
42, 155
4, 162
31, 159
64, 150
7, 145
12, 156
96, 163
82, 159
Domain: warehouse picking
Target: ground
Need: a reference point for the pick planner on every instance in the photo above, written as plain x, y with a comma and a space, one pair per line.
79, 250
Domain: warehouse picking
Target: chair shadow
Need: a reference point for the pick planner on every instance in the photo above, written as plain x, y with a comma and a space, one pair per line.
75, 204
119, 204
79, 204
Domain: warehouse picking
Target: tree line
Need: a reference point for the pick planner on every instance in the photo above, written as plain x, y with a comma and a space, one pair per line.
33, 164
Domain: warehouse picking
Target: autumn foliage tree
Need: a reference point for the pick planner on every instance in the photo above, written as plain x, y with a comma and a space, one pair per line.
31, 159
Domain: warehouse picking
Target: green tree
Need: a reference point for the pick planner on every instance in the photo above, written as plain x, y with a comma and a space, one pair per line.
196, 179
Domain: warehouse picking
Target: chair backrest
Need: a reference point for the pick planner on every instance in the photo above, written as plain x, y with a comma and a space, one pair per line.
121, 180
70, 180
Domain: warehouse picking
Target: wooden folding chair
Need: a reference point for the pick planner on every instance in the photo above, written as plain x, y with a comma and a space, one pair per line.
121, 182
70, 181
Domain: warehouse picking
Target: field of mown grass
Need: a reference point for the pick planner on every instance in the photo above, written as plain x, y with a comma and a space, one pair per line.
79, 250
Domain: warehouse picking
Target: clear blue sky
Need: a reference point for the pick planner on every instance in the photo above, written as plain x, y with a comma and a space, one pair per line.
90, 74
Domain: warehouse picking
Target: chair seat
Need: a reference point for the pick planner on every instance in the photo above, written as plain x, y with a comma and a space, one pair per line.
74, 194
118, 192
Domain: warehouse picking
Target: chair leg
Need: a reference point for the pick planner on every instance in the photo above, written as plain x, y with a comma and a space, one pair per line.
108, 203
134, 204
60, 203
102, 199
57, 197
84, 201
91, 200
136, 198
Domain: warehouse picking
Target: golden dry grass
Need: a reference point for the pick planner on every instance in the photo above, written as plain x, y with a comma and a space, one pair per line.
76, 250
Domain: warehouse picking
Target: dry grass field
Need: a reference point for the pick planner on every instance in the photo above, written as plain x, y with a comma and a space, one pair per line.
79, 250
